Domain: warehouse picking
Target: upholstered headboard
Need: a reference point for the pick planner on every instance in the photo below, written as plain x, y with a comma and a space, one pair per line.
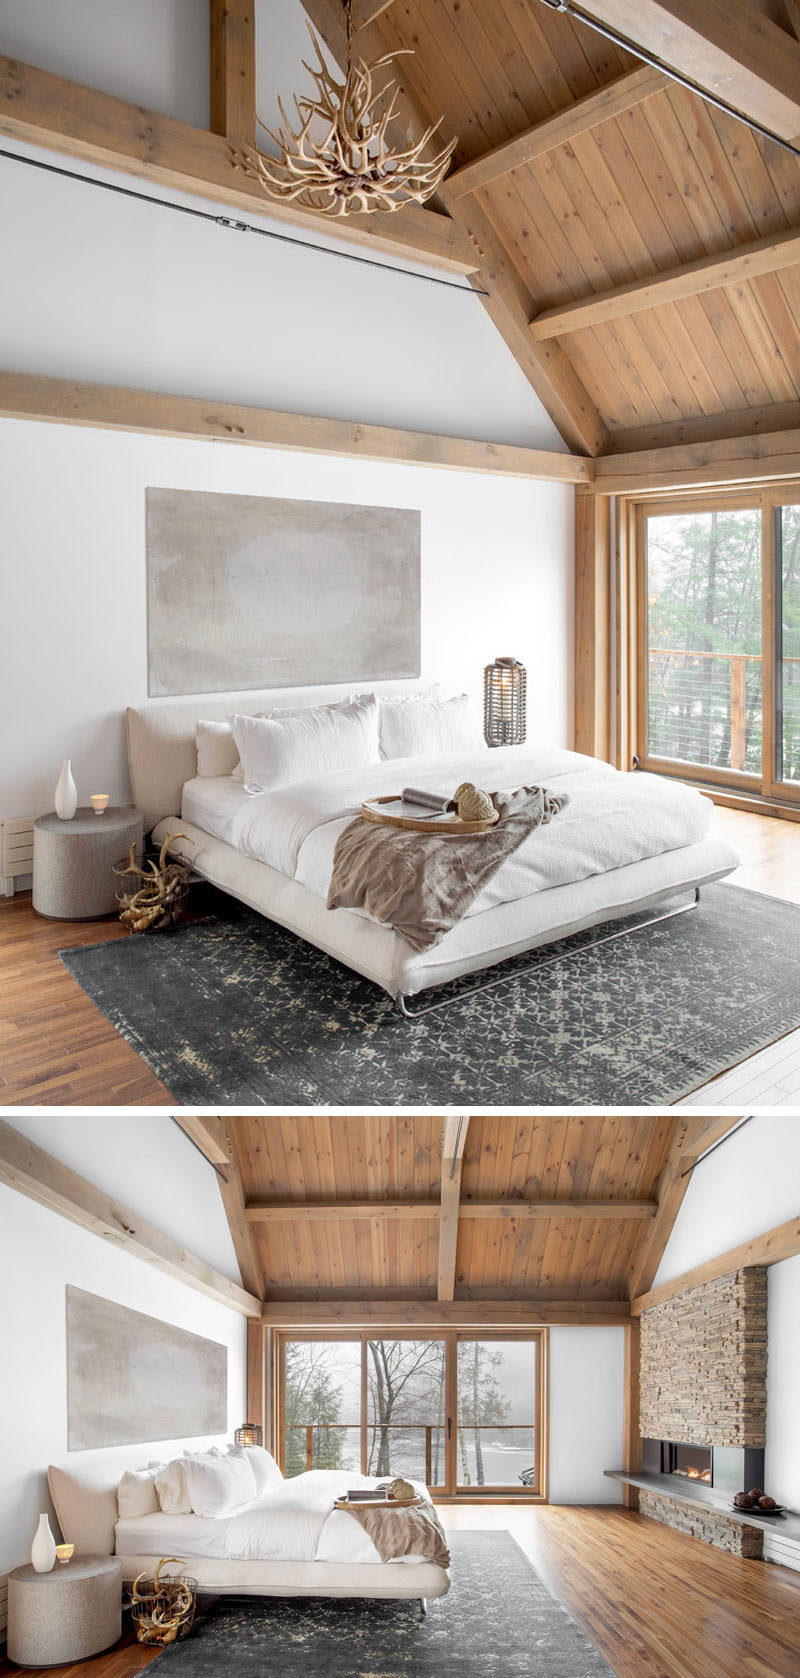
85, 1494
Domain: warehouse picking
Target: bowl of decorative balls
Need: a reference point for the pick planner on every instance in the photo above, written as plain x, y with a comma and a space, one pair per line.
758, 1501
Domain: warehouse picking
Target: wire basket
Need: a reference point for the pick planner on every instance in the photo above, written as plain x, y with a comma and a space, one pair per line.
163, 1608
152, 898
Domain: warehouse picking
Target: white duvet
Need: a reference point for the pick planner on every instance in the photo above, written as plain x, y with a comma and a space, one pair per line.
294, 1521
611, 819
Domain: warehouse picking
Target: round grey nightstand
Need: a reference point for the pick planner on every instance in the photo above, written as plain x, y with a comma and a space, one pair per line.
67, 1615
73, 862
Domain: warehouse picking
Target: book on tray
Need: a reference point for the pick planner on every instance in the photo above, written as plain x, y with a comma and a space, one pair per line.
433, 803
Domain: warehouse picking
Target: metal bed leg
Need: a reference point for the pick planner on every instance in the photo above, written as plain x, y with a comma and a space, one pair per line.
402, 1001
423, 1608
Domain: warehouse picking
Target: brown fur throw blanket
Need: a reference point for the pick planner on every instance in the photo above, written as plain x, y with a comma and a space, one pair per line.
404, 1532
422, 883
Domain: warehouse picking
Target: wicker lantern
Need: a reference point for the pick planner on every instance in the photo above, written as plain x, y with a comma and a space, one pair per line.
504, 702
249, 1434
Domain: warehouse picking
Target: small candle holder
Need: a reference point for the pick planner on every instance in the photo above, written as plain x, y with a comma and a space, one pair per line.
99, 803
65, 1552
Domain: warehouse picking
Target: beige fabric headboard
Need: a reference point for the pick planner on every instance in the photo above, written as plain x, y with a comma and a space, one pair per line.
161, 749
85, 1501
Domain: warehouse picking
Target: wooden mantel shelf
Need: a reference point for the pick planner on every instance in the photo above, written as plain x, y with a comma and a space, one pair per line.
787, 1526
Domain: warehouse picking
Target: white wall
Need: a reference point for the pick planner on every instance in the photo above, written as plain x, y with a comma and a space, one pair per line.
587, 1406
149, 1165
750, 1185
40, 1252
496, 578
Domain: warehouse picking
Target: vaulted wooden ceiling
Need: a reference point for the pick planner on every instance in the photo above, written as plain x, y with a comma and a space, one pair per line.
483, 1209
660, 180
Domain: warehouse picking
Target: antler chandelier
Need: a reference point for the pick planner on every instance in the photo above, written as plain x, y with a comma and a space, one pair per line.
347, 165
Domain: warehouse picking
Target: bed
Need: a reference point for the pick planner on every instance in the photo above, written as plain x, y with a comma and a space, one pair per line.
626, 843
287, 1543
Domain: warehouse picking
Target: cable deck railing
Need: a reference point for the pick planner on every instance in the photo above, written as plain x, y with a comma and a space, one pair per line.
706, 707
434, 1436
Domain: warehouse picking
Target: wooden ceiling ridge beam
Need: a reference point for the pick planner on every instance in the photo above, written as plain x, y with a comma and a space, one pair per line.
508, 302
771, 1247
599, 106
233, 69
43, 109
433, 1313
73, 402
454, 1141
706, 428
32, 1171
285, 1211
758, 458
732, 51
216, 1139
687, 279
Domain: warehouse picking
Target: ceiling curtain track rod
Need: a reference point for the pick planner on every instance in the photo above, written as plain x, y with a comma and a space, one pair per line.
716, 1145
237, 226
656, 63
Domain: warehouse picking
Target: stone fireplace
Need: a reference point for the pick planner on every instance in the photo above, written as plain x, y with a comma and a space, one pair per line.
703, 1406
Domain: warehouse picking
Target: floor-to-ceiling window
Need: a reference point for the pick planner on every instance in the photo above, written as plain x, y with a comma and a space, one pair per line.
719, 640
463, 1412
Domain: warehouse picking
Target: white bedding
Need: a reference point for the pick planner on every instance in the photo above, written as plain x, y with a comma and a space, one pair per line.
294, 1521
612, 819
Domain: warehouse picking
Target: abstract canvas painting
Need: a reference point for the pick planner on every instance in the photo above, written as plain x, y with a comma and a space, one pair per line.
131, 1377
249, 591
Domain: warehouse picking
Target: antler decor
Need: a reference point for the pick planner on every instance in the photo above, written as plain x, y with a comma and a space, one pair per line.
349, 166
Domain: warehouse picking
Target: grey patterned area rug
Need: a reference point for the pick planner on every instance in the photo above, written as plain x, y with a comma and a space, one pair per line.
498, 1620
231, 1009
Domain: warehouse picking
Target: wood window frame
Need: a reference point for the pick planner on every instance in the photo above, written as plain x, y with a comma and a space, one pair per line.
629, 691
450, 1491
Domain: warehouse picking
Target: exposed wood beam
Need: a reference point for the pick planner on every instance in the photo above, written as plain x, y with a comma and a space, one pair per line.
706, 428
396, 1313
509, 303
791, 12
731, 460
208, 1141
454, 1140
729, 48
708, 273
221, 1136
631, 1431
617, 96
257, 1375
233, 69
46, 110
772, 1247
690, 1138
315, 1211
27, 396
32, 1171
593, 641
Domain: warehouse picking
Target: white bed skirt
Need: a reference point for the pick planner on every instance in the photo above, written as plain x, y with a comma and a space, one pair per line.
386, 1580
479, 941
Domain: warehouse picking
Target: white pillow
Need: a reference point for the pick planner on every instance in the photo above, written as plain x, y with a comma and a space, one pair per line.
264, 1468
216, 1485
279, 751
170, 1484
419, 726
216, 749
136, 1493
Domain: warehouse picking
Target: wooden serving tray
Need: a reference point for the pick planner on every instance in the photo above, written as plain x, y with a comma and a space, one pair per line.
449, 823
377, 1503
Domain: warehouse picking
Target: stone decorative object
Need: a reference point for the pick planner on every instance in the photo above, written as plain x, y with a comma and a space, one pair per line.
65, 1616
43, 1548
73, 864
66, 795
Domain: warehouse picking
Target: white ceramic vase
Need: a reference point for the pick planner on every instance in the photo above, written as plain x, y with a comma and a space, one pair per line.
43, 1549
66, 793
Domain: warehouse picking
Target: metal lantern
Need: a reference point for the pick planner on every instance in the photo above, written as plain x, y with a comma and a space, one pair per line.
504, 684
249, 1434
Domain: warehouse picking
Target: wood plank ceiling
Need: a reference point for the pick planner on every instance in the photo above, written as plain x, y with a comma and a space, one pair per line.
518, 1249
666, 182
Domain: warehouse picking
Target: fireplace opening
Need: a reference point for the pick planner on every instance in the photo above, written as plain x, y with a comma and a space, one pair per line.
691, 1462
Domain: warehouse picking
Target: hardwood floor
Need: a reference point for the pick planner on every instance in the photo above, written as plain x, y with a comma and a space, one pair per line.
57, 1050
655, 1603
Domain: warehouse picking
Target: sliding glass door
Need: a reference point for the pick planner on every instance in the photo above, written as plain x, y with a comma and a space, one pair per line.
461, 1412
719, 640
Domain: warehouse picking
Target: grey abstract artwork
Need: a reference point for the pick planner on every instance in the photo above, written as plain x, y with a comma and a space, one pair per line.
248, 591
132, 1378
